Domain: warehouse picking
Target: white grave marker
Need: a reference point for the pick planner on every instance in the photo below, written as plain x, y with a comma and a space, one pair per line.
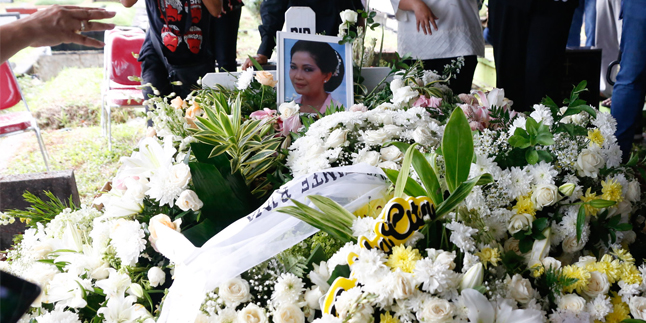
300, 20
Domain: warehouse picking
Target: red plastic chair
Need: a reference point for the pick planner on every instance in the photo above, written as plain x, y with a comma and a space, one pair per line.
120, 64
16, 122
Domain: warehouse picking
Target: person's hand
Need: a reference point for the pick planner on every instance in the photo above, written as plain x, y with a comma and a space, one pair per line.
260, 58
214, 7
62, 24
425, 17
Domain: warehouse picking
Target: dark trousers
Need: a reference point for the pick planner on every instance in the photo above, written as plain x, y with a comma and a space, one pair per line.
463, 80
529, 48
226, 40
156, 71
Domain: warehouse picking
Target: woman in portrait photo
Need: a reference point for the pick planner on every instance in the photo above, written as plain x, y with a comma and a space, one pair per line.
316, 70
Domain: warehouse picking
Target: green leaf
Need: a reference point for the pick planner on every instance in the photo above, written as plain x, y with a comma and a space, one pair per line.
531, 126
519, 141
525, 245
545, 139
531, 156
403, 174
322, 221
457, 146
601, 203
633, 321
588, 109
332, 209
412, 188
540, 224
544, 155
428, 177
460, 193
623, 227
316, 257
255, 63
580, 222
339, 271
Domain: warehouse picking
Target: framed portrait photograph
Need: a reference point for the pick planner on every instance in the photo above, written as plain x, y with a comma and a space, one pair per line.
314, 71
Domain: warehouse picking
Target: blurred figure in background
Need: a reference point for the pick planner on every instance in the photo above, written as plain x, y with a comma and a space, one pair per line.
584, 15
225, 42
608, 36
437, 32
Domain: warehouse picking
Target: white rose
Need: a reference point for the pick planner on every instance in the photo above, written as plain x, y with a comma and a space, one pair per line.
161, 220
445, 259
571, 302
424, 137
521, 289
391, 153
401, 284
289, 314
549, 262
156, 276
252, 313
180, 174
571, 245
288, 109
545, 195
512, 244
386, 106
336, 138
312, 297
589, 162
235, 291
598, 284
396, 84
633, 191
388, 165
358, 108
584, 261
392, 130
375, 137
188, 200
436, 310
403, 96
520, 222
349, 16
368, 157
638, 307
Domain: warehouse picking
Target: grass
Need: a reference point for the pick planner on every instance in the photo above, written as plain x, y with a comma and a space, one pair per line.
82, 149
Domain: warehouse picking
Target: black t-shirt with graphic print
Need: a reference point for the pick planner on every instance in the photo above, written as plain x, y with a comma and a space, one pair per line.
181, 28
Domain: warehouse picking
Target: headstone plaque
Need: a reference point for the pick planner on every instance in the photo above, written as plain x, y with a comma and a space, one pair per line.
300, 20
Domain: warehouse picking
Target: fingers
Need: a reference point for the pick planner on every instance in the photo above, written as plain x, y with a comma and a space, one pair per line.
433, 18
247, 64
97, 26
90, 13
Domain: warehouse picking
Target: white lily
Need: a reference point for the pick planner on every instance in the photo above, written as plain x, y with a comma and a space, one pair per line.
541, 248
482, 311
473, 277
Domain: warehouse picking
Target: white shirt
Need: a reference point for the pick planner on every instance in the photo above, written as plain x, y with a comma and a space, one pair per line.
459, 30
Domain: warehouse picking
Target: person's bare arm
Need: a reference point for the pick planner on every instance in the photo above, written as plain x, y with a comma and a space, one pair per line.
52, 26
128, 3
425, 17
213, 6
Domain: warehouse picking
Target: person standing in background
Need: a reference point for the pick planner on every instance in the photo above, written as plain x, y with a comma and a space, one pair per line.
438, 32
585, 14
225, 41
608, 36
272, 13
529, 39
630, 88
178, 45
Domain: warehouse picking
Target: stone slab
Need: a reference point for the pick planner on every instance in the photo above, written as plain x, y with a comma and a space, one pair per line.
61, 183
48, 66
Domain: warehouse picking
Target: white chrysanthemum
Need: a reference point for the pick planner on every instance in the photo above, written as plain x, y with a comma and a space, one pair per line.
245, 78
167, 184
348, 301
482, 165
599, 307
127, 237
328, 318
518, 122
149, 157
287, 290
340, 258
543, 173
227, 315
496, 223
434, 277
461, 235
606, 124
521, 182
542, 113
58, 315
627, 291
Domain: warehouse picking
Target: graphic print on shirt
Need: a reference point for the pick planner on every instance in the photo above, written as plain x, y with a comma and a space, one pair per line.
193, 39
169, 36
173, 13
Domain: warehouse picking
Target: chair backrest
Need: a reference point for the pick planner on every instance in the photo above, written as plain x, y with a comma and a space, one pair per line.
9, 90
120, 63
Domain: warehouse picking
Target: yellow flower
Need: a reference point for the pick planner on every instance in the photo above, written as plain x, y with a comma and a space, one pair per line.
581, 275
373, 208
589, 196
611, 190
489, 255
609, 266
623, 255
620, 311
537, 270
596, 137
387, 318
403, 258
524, 204
630, 274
